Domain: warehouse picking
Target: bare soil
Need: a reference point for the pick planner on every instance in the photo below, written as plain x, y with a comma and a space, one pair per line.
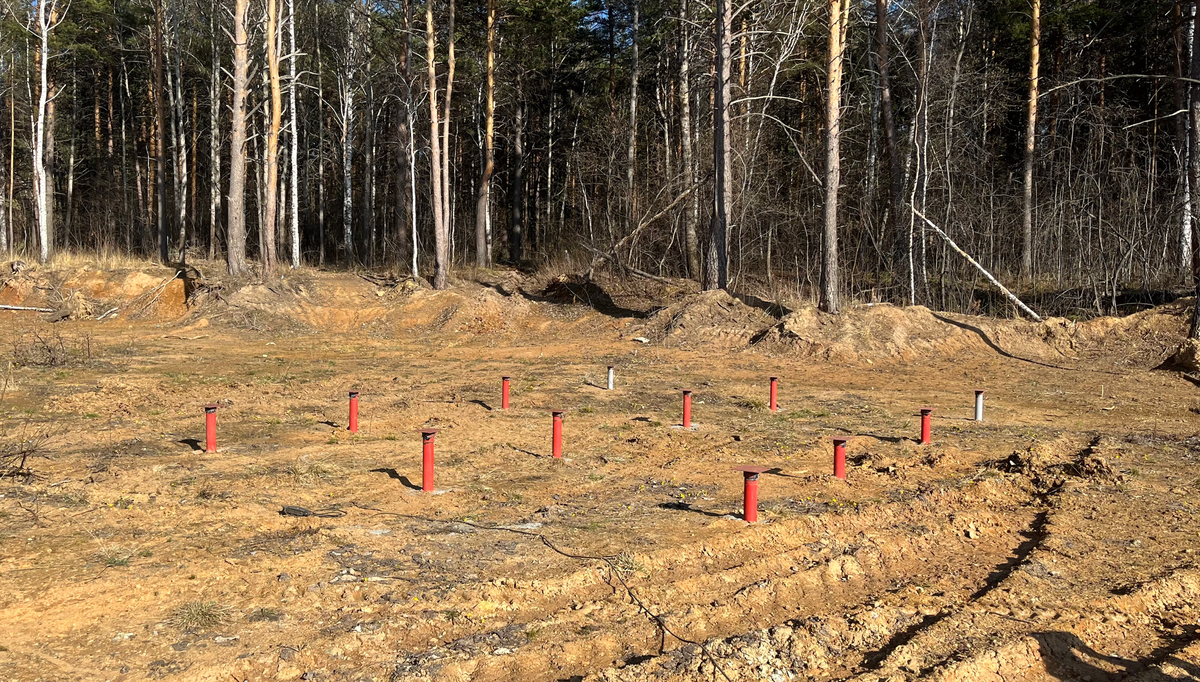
1057, 539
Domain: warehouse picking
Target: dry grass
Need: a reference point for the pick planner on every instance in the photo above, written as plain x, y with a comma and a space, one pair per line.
105, 259
199, 615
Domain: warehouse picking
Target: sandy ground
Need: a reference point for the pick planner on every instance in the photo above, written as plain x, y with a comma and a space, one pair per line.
1056, 539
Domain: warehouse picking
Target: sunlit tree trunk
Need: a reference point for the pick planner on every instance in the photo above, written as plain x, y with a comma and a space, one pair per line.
235, 241
447, 207
691, 208
47, 19
214, 138
295, 136
839, 11
440, 276
275, 122
483, 203
160, 123
1035, 39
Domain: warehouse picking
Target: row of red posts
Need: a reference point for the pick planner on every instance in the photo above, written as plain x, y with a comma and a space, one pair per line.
749, 473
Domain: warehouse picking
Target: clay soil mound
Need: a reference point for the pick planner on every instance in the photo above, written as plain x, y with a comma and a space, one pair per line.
576, 289
709, 317
80, 293
877, 332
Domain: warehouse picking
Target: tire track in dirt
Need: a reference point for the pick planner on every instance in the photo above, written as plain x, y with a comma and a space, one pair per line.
794, 564
882, 640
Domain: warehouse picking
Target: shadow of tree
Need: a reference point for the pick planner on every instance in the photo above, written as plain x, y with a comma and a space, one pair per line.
1067, 657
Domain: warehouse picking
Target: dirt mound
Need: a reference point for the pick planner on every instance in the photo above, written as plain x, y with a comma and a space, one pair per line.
82, 293
575, 289
297, 303
884, 331
708, 317
868, 332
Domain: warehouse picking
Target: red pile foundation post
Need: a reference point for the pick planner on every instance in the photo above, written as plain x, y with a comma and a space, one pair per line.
504, 393
353, 412
427, 459
687, 409
926, 418
210, 428
839, 457
774, 394
750, 492
556, 440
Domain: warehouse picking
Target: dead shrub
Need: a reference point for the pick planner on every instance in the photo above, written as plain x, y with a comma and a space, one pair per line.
16, 451
52, 349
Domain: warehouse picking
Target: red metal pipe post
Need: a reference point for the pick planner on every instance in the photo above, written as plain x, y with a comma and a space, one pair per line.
353, 412
774, 394
925, 425
427, 459
556, 442
210, 428
687, 409
750, 492
504, 393
839, 457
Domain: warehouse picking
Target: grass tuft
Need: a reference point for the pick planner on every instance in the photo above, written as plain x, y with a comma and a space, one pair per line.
198, 615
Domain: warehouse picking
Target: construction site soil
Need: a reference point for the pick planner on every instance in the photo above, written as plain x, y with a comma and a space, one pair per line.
1057, 539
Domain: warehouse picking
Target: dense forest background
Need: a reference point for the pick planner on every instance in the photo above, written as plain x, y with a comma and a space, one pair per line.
601, 133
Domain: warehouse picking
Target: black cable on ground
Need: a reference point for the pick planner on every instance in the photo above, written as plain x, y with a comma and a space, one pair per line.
327, 513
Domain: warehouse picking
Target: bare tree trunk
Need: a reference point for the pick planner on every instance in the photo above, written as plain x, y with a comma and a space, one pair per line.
483, 203
275, 122
516, 193
295, 136
631, 148
1183, 49
447, 206
320, 159
1035, 39
1194, 160
440, 245
895, 176
839, 11
235, 241
691, 209
214, 138
716, 275
348, 85
918, 280
46, 21
160, 117
367, 222
179, 132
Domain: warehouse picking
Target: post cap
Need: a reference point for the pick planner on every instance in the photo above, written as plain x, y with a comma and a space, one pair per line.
774, 378
353, 394
210, 408
752, 469
612, 366
505, 377
841, 439
926, 410
428, 433
979, 391
558, 413
686, 391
